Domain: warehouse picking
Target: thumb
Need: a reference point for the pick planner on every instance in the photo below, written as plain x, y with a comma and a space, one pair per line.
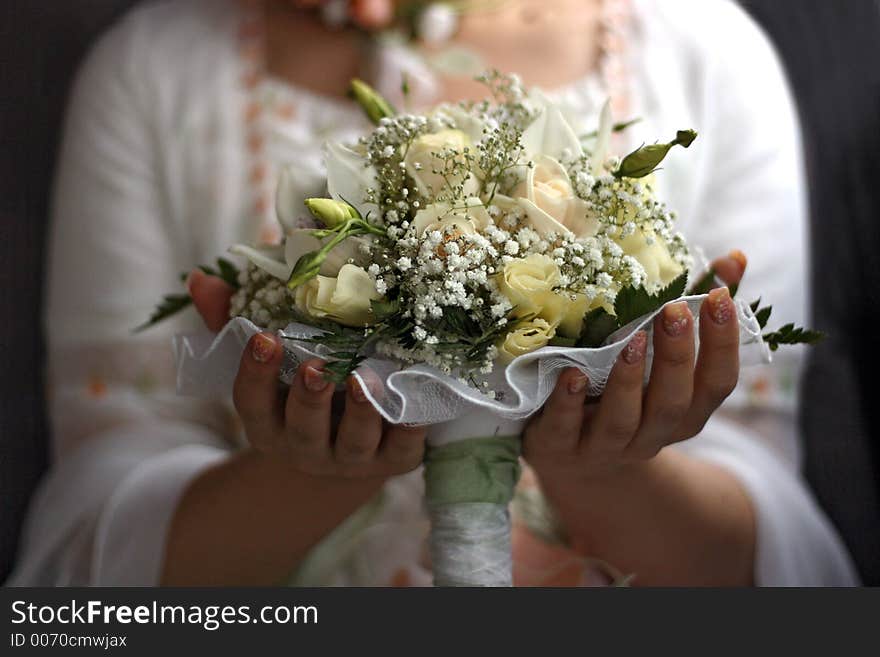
211, 297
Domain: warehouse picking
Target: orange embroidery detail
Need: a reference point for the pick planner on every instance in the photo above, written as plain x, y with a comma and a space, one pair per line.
258, 173
261, 205
250, 79
400, 578
255, 142
270, 233
252, 112
96, 387
287, 111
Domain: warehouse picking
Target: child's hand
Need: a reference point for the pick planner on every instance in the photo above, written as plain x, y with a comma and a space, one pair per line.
630, 423
298, 425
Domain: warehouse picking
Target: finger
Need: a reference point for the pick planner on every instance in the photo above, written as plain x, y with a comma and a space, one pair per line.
360, 429
557, 429
717, 369
619, 412
255, 391
307, 410
402, 447
211, 296
731, 267
670, 388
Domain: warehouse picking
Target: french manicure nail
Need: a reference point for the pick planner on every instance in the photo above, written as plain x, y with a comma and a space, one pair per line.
263, 347
634, 350
676, 319
314, 379
576, 383
357, 390
720, 306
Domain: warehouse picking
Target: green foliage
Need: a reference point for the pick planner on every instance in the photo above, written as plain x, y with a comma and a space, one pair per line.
791, 334
631, 303
172, 304
788, 334
598, 325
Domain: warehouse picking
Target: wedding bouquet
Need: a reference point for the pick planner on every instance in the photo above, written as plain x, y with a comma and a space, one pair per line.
465, 257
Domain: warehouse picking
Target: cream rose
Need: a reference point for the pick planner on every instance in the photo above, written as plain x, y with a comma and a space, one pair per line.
467, 218
549, 201
571, 311
422, 159
659, 266
344, 299
525, 338
528, 283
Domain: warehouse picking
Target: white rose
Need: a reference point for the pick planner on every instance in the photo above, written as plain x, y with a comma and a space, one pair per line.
422, 160
528, 284
465, 219
525, 338
344, 299
659, 266
549, 201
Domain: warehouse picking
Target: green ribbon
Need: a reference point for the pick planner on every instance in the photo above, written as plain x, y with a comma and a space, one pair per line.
473, 470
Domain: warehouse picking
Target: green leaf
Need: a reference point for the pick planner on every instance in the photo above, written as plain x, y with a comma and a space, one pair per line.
633, 302
754, 305
598, 325
791, 334
383, 309
763, 315
706, 283
306, 268
642, 161
228, 272
171, 304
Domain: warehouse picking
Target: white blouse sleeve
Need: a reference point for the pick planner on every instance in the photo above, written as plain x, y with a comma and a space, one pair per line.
750, 194
125, 446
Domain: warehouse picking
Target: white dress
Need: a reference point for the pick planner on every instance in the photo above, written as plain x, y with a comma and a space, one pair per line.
157, 173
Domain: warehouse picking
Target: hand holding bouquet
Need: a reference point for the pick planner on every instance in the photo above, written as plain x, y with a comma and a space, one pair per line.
464, 258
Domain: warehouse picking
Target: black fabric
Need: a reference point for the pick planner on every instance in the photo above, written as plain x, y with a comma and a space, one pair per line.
41, 43
831, 51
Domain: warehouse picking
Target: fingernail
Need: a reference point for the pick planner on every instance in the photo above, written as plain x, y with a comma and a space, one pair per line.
356, 390
263, 347
634, 351
676, 319
314, 379
577, 382
740, 258
720, 306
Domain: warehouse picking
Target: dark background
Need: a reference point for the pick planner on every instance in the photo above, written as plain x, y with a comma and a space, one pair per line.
832, 53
